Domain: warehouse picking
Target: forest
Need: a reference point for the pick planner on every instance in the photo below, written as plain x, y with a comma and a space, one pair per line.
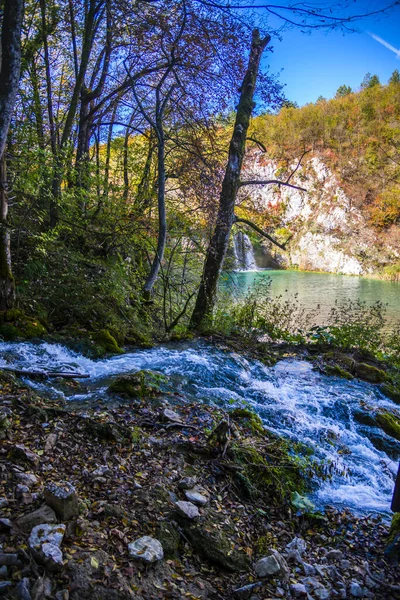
166, 432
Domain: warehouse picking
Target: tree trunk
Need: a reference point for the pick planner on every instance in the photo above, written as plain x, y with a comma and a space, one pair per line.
219, 242
7, 285
162, 220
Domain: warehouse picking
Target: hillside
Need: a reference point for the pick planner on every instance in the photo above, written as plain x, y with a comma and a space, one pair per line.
347, 220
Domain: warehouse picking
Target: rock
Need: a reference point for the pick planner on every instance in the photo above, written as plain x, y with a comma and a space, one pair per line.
392, 549
42, 588
51, 441
3, 502
345, 564
322, 593
298, 590
243, 593
187, 483
356, 590
9, 559
27, 479
20, 490
369, 373
147, 549
138, 385
5, 587
44, 514
196, 497
62, 497
3, 572
169, 538
22, 590
297, 544
214, 545
389, 422
45, 541
22, 453
267, 567
187, 509
295, 556
334, 555
62, 595
103, 471
309, 570
5, 524
170, 415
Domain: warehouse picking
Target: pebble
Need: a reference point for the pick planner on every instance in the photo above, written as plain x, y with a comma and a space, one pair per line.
267, 566
187, 509
187, 483
22, 590
5, 586
8, 559
196, 497
345, 564
297, 544
171, 415
5, 524
322, 593
356, 590
298, 590
246, 591
334, 555
309, 570
147, 549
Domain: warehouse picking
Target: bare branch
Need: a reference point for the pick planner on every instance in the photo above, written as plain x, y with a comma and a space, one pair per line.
272, 182
261, 232
259, 144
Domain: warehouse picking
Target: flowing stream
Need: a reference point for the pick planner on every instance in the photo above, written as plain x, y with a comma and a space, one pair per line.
327, 414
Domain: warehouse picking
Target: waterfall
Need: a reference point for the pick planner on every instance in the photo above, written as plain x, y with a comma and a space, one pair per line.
243, 251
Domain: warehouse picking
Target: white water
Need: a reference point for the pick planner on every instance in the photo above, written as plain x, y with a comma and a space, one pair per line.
292, 399
243, 251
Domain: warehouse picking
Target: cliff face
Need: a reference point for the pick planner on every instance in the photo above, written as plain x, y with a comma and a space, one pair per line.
329, 230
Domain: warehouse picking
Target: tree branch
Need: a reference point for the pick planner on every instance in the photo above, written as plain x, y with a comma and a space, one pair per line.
259, 144
270, 182
261, 232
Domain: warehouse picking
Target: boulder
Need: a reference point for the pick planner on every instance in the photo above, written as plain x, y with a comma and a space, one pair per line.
267, 567
169, 538
369, 373
138, 385
62, 497
147, 549
44, 514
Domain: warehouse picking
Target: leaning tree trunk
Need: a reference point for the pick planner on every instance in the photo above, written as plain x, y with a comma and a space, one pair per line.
219, 242
9, 81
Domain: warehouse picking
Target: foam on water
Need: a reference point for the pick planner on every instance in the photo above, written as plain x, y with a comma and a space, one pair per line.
291, 398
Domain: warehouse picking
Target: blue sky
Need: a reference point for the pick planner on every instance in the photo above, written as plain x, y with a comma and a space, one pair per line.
317, 64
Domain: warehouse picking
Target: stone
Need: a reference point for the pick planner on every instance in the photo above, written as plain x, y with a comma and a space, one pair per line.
44, 514
22, 590
285, 571
169, 538
20, 490
9, 559
298, 590
295, 556
309, 570
5, 587
297, 544
3, 502
187, 510
370, 373
45, 541
147, 549
345, 564
356, 590
5, 524
322, 593
196, 497
27, 479
267, 567
334, 555
62, 595
51, 441
187, 483
103, 471
170, 415
62, 497
243, 593
22, 453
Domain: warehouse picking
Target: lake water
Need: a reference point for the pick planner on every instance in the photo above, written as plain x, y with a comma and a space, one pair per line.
318, 292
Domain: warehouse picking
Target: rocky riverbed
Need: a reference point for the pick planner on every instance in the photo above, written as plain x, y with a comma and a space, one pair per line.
151, 497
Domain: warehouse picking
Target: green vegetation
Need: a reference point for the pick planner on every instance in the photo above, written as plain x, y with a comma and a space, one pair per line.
390, 423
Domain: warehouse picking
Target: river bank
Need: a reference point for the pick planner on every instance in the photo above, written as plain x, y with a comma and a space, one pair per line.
131, 461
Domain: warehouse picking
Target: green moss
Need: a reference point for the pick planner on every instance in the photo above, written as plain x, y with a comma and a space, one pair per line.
9, 332
390, 423
392, 550
370, 373
249, 419
15, 324
138, 385
275, 475
392, 391
169, 537
104, 339
337, 371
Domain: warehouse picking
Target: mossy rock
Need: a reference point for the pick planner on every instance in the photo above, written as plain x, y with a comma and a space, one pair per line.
214, 545
105, 340
138, 385
107, 431
370, 373
249, 419
15, 324
390, 423
169, 537
392, 391
392, 550
337, 371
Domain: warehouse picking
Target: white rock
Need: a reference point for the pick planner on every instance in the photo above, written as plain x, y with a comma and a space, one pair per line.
356, 590
309, 570
46, 534
52, 555
196, 497
171, 415
267, 567
147, 549
187, 509
298, 544
298, 590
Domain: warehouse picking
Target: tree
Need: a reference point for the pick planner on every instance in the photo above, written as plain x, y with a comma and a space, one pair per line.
370, 81
9, 80
343, 90
395, 77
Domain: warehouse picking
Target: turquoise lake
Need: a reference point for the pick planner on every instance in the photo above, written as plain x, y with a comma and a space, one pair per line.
318, 292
